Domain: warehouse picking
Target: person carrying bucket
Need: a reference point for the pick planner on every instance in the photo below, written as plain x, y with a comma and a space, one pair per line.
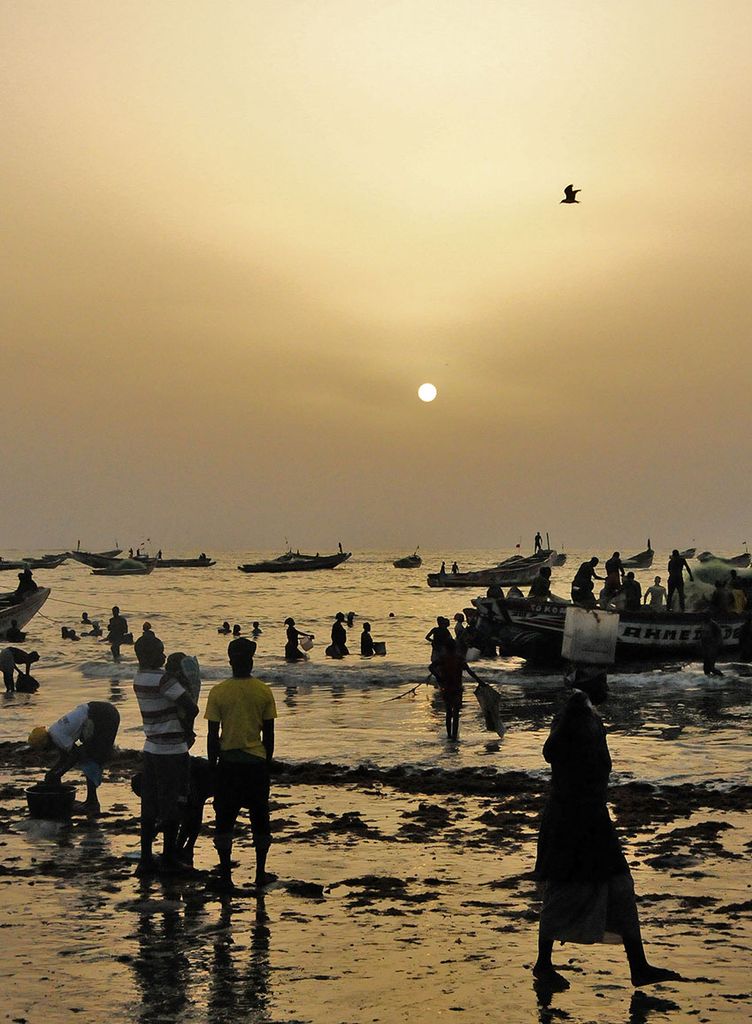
84, 737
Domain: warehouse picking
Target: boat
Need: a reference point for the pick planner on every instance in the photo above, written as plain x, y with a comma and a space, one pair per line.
124, 567
413, 561
20, 611
95, 559
737, 561
293, 561
642, 560
43, 562
688, 553
537, 629
202, 562
520, 574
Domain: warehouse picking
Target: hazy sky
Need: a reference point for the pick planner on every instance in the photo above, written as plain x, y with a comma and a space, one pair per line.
239, 235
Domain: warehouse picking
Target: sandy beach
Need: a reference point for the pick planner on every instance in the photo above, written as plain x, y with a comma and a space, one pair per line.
402, 895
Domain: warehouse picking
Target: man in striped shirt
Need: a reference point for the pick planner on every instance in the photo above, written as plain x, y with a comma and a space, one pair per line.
166, 762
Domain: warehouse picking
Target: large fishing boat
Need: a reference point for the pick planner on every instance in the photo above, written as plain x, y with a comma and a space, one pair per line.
642, 560
20, 612
534, 631
514, 572
293, 561
95, 559
124, 567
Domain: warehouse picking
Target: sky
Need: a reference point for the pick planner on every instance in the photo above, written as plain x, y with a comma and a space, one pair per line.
239, 235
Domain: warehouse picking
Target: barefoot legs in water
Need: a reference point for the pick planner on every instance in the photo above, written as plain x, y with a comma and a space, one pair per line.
641, 972
544, 970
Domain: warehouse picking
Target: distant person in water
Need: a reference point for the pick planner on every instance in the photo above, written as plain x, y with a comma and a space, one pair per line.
95, 628
14, 634
350, 620
587, 886
582, 584
10, 659
84, 737
540, 588
257, 630
67, 633
711, 643
676, 566
447, 669
439, 637
655, 596
632, 593
538, 543
224, 628
117, 630
236, 630
366, 641
338, 646
292, 650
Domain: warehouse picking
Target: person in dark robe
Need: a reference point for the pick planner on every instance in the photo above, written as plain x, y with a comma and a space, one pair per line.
338, 646
588, 893
366, 641
292, 650
711, 642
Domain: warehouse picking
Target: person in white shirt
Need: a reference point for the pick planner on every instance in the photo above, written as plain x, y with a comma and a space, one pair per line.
84, 737
655, 596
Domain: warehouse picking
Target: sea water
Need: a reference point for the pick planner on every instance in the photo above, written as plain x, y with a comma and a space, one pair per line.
666, 724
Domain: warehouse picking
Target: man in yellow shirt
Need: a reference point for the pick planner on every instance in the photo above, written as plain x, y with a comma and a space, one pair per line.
241, 712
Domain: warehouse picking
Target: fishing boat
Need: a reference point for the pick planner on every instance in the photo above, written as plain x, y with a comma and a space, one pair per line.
30, 562
518, 574
293, 561
736, 561
20, 612
202, 562
124, 567
534, 631
688, 553
642, 560
413, 561
95, 559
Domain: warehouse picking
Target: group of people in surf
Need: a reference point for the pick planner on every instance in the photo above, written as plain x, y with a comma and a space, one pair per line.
298, 642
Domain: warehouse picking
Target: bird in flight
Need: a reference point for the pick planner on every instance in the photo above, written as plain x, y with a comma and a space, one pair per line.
570, 194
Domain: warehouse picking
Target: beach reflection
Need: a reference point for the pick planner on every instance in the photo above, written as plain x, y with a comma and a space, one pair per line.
161, 966
240, 980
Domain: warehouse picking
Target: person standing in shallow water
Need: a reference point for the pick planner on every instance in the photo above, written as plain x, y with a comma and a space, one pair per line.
338, 647
447, 669
588, 893
117, 630
292, 651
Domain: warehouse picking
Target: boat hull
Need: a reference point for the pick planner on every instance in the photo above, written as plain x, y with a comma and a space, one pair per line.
22, 612
518, 573
304, 563
95, 559
643, 635
409, 562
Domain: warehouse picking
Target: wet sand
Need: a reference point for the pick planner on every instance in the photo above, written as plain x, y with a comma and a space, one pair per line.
403, 895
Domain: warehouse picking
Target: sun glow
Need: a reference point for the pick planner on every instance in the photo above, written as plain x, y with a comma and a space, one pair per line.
426, 392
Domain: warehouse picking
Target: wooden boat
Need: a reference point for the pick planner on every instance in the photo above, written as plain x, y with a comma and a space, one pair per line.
509, 577
8, 565
688, 553
293, 561
642, 560
124, 567
95, 559
413, 561
537, 630
20, 611
737, 561
202, 562
30, 562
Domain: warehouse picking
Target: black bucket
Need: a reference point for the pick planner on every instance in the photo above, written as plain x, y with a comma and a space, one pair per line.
51, 801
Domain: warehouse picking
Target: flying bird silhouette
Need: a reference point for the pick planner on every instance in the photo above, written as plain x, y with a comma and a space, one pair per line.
570, 194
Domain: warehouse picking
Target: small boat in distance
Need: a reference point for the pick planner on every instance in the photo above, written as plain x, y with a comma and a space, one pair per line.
293, 561
413, 561
737, 561
202, 562
124, 567
642, 560
515, 572
688, 553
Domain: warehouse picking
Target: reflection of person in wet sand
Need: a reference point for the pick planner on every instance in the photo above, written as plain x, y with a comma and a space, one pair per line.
588, 892
239, 980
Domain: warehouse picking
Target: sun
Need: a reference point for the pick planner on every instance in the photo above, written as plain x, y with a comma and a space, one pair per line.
427, 392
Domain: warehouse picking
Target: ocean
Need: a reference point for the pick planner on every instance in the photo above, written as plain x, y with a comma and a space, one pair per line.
666, 724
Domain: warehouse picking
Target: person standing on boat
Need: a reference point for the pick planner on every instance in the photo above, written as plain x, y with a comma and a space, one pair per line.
338, 646
455, 569
538, 543
676, 566
655, 596
292, 651
614, 576
117, 630
721, 600
588, 893
582, 584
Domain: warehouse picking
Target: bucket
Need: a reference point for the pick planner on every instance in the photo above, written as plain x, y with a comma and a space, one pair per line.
50, 801
379, 647
472, 654
306, 643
